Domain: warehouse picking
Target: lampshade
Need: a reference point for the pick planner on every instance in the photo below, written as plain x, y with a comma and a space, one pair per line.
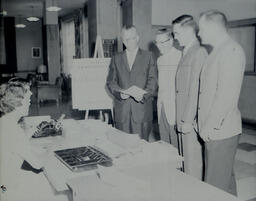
42, 69
3, 12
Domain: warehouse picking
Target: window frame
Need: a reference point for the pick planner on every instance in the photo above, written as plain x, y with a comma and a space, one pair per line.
246, 23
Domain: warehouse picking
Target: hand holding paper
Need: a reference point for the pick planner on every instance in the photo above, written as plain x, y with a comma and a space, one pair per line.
124, 96
138, 97
134, 91
184, 127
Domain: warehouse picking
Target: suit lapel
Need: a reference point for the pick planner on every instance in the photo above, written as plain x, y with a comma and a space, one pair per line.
186, 58
136, 61
191, 49
125, 61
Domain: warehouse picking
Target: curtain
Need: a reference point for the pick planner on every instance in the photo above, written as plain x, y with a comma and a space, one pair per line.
78, 33
74, 38
81, 33
68, 50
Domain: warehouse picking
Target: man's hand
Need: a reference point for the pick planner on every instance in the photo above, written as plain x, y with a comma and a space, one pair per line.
138, 97
184, 127
205, 135
134, 91
179, 125
124, 96
159, 102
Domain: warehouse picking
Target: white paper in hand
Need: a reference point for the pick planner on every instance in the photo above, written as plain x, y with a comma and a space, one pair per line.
134, 91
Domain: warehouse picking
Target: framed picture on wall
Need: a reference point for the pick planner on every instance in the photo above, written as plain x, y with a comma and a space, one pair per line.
36, 52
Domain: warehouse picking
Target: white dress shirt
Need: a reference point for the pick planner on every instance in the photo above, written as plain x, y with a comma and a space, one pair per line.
131, 57
167, 66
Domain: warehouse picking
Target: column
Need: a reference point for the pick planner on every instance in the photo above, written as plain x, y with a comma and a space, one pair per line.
51, 43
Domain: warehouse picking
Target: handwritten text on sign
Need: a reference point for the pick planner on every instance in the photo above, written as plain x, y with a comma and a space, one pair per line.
89, 84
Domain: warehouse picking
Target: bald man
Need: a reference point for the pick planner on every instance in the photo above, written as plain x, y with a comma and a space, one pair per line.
219, 118
132, 80
167, 65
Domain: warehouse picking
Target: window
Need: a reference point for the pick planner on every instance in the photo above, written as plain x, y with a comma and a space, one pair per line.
68, 45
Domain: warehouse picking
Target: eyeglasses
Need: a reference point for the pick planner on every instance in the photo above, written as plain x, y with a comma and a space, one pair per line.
161, 42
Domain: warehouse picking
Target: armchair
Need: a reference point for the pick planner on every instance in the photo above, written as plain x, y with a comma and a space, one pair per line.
47, 91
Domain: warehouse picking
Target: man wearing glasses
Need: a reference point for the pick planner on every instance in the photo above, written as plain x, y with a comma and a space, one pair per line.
132, 80
187, 85
167, 65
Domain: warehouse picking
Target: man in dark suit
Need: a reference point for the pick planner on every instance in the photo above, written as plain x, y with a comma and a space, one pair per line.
187, 84
132, 80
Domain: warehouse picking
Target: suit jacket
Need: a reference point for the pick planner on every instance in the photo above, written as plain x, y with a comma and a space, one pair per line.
187, 83
220, 85
143, 74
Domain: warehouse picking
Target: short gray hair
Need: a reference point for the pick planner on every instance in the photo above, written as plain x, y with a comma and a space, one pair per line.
11, 95
127, 28
215, 16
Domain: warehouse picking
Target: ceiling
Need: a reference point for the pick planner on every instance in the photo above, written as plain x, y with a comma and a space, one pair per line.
26, 8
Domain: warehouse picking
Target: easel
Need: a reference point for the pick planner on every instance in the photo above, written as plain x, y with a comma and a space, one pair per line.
98, 51
98, 48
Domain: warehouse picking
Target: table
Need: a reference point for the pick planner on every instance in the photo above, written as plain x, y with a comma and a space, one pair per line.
140, 171
120, 146
174, 186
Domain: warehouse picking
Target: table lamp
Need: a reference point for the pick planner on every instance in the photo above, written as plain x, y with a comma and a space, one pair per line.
41, 70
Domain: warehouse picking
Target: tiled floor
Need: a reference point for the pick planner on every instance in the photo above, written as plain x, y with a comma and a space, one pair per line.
245, 164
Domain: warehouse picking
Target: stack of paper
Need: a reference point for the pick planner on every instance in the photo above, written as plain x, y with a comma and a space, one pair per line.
150, 153
114, 184
112, 150
122, 139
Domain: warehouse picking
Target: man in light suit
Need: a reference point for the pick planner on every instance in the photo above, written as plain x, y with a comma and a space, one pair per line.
167, 65
219, 118
133, 68
187, 85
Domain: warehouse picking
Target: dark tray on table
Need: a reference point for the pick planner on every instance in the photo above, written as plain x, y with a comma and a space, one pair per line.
82, 158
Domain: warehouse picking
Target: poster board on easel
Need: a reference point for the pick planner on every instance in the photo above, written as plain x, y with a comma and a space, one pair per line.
89, 76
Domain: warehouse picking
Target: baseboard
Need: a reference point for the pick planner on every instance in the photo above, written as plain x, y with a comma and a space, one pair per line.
249, 122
